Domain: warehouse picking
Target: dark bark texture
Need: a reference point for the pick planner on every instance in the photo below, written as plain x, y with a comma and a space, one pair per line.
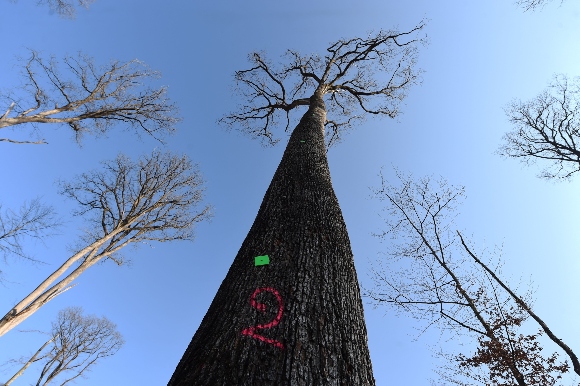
299, 319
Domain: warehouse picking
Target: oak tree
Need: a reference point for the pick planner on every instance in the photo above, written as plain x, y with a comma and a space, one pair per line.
158, 198
356, 77
289, 310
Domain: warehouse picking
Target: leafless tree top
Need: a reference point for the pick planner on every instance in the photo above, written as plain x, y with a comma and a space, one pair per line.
87, 98
66, 8
419, 216
532, 5
154, 199
78, 341
158, 198
547, 128
32, 221
443, 282
439, 283
358, 76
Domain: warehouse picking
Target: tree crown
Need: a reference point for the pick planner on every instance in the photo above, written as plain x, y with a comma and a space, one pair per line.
547, 128
355, 77
154, 199
88, 98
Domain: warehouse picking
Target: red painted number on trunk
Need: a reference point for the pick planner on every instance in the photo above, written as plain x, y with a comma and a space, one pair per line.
251, 331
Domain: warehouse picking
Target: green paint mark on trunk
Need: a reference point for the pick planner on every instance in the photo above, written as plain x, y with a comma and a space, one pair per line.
262, 260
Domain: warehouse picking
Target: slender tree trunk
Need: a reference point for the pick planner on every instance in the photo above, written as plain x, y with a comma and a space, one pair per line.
299, 319
47, 291
27, 364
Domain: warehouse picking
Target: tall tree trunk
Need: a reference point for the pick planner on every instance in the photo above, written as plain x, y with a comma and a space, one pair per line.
299, 319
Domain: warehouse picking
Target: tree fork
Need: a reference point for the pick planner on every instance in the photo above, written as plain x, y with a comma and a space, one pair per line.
299, 319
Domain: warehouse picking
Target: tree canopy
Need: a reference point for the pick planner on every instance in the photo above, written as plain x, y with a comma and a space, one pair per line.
87, 98
547, 129
158, 198
359, 76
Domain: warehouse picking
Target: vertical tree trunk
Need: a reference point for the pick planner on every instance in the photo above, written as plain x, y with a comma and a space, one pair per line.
299, 319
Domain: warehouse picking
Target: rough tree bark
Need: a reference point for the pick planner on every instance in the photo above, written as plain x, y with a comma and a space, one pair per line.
308, 294
298, 320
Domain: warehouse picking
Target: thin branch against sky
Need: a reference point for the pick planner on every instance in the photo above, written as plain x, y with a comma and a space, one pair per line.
481, 55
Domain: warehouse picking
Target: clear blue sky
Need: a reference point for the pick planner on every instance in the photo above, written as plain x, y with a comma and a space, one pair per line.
481, 55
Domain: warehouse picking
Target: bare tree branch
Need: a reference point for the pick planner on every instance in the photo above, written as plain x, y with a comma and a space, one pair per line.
489, 364
76, 342
532, 5
547, 128
525, 306
440, 286
420, 216
155, 199
88, 99
359, 76
66, 8
36, 357
32, 221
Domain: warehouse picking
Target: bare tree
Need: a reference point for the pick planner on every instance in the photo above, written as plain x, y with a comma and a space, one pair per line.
531, 5
310, 328
547, 128
157, 198
88, 99
76, 343
359, 76
64, 8
447, 285
33, 220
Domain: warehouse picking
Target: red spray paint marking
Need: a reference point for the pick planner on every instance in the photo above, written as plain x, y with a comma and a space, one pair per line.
251, 331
